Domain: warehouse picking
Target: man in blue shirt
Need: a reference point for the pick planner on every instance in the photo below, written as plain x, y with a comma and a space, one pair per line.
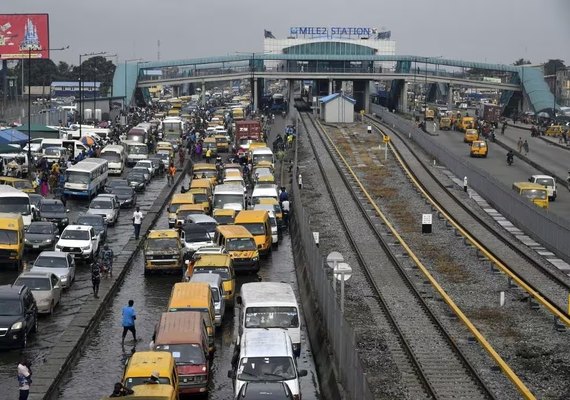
129, 316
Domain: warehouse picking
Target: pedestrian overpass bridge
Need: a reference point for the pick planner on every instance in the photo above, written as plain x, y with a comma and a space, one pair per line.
518, 83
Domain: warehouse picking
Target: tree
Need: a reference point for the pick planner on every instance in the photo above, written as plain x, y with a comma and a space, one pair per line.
42, 72
551, 66
97, 69
521, 61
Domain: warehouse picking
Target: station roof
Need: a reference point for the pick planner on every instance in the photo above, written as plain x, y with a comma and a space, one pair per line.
333, 96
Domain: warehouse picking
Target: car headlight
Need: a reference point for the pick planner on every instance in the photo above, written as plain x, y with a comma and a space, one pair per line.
44, 219
17, 326
255, 258
48, 240
86, 248
26, 240
63, 278
65, 220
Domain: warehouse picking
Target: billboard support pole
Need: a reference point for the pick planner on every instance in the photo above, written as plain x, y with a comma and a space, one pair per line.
29, 110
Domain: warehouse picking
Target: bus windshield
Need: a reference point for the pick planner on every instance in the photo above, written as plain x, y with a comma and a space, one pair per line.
241, 244
132, 149
111, 156
255, 229
8, 237
18, 205
77, 177
221, 199
534, 194
271, 317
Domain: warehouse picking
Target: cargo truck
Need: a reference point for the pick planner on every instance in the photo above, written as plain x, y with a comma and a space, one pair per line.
247, 131
491, 113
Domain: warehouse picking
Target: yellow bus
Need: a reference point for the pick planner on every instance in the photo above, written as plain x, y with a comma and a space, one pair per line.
536, 193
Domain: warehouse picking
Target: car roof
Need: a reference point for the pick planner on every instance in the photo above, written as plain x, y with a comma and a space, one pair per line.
34, 274
11, 290
78, 227
542, 176
42, 223
265, 343
200, 218
51, 201
50, 253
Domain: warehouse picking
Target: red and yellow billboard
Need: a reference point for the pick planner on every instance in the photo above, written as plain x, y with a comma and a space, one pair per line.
24, 35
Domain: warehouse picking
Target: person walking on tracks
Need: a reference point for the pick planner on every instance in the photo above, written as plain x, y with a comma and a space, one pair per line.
129, 317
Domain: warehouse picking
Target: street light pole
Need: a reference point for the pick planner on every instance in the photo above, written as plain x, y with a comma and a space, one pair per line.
81, 87
30, 102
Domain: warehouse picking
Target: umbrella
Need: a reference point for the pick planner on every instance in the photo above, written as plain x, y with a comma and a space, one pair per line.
87, 141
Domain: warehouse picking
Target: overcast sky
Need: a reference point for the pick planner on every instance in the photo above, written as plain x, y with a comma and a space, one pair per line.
498, 31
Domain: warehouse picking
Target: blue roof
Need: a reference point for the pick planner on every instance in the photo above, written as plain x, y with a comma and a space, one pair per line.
12, 136
538, 91
333, 96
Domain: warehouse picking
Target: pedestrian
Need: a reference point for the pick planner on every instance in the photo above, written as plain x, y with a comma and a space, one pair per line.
129, 317
171, 173
465, 184
519, 144
525, 147
300, 181
121, 390
434, 126
137, 221
24, 378
208, 155
95, 278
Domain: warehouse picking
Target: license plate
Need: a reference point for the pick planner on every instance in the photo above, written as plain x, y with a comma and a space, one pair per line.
36, 246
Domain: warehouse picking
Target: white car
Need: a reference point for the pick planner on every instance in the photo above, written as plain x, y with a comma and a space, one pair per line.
148, 164
205, 221
58, 263
45, 287
80, 241
546, 181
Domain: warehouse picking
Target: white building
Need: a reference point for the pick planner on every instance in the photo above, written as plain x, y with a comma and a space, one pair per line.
337, 108
331, 41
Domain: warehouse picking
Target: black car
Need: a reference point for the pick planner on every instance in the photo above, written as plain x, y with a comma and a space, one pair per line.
41, 235
112, 183
127, 196
18, 316
268, 390
52, 210
97, 222
136, 180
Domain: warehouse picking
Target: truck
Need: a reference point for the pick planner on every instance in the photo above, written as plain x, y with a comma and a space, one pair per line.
491, 113
247, 131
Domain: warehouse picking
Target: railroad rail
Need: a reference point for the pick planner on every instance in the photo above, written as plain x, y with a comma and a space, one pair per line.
520, 273
434, 366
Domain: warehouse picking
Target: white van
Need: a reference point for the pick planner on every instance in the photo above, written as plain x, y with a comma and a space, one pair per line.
266, 355
269, 306
217, 288
135, 151
546, 181
229, 196
117, 157
262, 154
264, 191
74, 146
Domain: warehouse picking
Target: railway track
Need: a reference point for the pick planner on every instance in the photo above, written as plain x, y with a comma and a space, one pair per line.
542, 284
431, 364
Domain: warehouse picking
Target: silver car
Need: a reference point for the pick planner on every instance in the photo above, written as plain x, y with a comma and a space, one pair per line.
59, 263
107, 205
46, 289
148, 164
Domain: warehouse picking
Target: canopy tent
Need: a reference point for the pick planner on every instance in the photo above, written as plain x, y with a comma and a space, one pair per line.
7, 148
38, 131
12, 136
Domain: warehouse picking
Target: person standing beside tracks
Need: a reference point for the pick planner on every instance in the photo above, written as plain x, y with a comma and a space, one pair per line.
95, 278
137, 222
525, 147
129, 317
520, 144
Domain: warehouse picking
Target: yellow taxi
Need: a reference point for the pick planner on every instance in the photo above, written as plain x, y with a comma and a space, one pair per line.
554, 130
220, 264
470, 135
536, 193
479, 148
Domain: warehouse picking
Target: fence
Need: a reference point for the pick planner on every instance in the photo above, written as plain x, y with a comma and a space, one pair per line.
550, 230
340, 335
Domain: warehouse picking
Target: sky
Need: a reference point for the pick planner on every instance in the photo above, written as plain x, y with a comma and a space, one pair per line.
494, 31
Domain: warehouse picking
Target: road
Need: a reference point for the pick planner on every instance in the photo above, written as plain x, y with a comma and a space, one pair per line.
50, 327
105, 355
550, 157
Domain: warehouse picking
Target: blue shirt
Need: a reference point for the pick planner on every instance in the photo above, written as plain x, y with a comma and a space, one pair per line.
129, 315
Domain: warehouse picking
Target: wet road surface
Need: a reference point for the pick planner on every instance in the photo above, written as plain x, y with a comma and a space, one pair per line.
50, 327
105, 354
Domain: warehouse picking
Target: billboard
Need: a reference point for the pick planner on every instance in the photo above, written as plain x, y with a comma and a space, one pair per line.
22, 33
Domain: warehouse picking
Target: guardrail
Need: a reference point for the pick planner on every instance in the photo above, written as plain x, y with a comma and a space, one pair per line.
341, 336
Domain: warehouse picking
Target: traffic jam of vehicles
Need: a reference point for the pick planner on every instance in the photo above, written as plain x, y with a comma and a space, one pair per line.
230, 217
